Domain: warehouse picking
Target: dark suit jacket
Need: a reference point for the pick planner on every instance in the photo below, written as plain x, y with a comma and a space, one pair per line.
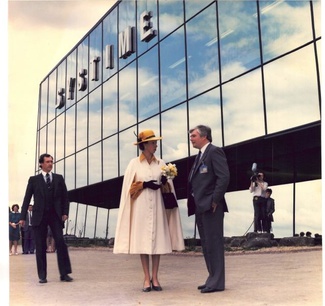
35, 187
210, 186
270, 208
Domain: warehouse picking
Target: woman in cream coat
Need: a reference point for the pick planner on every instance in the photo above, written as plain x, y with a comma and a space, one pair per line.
144, 226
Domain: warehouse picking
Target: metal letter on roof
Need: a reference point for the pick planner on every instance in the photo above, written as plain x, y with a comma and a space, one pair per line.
147, 33
127, 40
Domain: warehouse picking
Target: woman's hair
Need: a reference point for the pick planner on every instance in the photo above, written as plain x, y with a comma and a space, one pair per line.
141, 146
13, 206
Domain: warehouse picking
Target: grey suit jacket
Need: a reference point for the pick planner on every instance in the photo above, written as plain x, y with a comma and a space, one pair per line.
35, 188
210, 185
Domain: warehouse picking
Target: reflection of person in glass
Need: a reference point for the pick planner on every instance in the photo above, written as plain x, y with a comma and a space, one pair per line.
142, 225
270, 209
258, 187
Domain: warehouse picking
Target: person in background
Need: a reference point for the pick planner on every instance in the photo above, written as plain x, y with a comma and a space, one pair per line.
14, 229
270, 209
208, 183
258, 187
51, 208
142, 225
50, 241
28, 232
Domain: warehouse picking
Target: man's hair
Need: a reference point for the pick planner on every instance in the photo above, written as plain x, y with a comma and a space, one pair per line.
203, 130
41, 158
269, 190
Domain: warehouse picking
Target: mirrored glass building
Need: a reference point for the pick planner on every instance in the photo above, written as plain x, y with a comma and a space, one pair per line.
248, 69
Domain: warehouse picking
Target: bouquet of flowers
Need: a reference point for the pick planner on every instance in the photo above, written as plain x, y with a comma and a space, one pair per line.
170, 171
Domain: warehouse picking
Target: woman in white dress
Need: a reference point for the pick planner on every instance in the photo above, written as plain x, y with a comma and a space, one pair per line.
144, 226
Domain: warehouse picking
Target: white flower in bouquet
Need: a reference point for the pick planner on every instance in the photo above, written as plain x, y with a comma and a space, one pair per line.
170, 171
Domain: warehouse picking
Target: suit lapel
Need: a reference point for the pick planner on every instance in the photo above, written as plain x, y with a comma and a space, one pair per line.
202, 159
41, 182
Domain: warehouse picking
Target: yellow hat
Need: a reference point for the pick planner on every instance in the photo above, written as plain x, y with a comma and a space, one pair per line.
146, 135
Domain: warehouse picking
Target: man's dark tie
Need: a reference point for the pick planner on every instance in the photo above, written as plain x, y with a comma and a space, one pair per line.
48, 180
196, 162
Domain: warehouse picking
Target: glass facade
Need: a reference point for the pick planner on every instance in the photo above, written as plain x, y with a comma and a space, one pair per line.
248, 69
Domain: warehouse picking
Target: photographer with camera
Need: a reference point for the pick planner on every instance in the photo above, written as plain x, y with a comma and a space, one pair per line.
258, 187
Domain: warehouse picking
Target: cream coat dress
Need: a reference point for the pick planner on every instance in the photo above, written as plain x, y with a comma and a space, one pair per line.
144, 226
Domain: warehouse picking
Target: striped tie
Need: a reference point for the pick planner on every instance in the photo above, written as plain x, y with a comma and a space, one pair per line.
48, 180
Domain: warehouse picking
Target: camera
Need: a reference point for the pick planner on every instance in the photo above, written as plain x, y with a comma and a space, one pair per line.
255, 176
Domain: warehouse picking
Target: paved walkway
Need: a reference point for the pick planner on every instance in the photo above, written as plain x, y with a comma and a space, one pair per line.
103, 278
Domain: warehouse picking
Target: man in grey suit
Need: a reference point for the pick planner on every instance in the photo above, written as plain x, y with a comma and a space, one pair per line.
51, 207
208, 182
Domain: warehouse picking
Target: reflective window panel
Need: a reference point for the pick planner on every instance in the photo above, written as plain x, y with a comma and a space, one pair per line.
243, 108
172, 66
202, 52
174, 131
110, 47
171, 16
110, 158
238, 35
148, 84
291, 91
285, 25
127, 97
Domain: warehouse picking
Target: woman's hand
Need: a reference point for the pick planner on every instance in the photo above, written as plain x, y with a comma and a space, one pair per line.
151, 185
163, 179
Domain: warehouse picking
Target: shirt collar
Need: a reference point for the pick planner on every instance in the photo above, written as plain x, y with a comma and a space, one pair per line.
44, 173
142, 157
204, 148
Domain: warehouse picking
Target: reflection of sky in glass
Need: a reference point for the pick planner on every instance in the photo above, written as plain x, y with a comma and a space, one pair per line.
172, 69
289, 82
291, 93
142, 6
148, 84
202, 52
285, 25
238, 37
170, 16
110, 38
95, 116
43, 106
110, 107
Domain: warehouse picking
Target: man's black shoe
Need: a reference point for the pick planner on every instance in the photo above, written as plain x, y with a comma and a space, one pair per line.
43, 281
201, 287
66, 278
209, 290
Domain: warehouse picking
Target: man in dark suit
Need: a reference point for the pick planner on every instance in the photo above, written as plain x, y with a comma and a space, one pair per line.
208, 182
51, 207
28, 232
270, 209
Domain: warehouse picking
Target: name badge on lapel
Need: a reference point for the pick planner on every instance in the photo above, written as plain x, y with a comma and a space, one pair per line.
203, 169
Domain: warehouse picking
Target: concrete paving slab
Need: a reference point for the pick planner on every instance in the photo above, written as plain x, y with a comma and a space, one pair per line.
104, 278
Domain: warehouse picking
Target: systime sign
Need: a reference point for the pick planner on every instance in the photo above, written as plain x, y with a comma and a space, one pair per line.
127, 46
